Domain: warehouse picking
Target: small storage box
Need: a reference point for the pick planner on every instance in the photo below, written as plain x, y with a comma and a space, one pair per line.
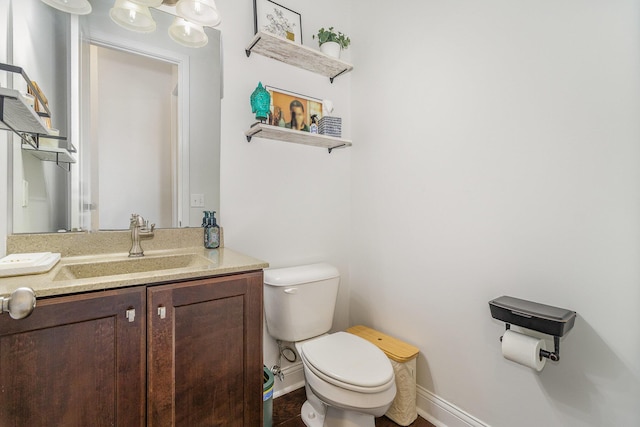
403, 356
532, 315
331, 126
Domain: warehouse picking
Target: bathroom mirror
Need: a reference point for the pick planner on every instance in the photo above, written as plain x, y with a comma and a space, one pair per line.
143, 112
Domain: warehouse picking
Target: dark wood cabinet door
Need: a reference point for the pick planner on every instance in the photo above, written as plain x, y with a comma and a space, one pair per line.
204, 352
76, 361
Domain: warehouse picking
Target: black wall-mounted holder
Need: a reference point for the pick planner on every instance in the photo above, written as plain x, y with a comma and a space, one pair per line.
535, 316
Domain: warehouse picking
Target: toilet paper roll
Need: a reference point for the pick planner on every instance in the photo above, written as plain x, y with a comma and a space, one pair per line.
523, 349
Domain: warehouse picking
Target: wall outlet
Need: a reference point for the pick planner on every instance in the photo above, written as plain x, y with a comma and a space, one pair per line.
197, 200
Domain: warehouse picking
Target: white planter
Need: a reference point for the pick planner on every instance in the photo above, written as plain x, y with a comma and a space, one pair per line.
331, 48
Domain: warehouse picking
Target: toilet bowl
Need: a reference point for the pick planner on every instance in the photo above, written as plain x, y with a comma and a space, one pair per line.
350, 377
348, 380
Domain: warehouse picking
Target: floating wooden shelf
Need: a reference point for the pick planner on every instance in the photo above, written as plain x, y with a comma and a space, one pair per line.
261, 130
17, 116
295, 54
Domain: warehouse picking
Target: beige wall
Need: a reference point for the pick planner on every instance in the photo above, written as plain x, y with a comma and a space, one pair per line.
285, 203
505, 160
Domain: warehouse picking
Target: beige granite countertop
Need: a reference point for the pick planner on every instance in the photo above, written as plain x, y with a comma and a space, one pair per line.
214, 262
173, 262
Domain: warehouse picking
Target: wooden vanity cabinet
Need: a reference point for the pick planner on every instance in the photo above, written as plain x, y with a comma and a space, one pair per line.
204, 352
78, 360
184, 354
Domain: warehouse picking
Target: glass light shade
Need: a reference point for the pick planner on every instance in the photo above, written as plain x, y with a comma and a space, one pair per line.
132, 16
202, 12
148, 3
77, 7
187, 33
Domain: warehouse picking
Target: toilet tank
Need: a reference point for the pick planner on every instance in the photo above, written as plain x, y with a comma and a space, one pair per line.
299, 301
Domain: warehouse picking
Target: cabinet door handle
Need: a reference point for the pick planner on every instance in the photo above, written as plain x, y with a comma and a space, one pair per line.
19, 304
131, 314
162, 312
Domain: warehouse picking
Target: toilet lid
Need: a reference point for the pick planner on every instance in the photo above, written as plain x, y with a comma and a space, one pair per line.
349, 359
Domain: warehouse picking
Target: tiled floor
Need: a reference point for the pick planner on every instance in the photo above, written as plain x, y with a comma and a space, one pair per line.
286, 412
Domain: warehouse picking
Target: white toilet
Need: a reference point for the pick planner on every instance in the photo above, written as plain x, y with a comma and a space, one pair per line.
348, 380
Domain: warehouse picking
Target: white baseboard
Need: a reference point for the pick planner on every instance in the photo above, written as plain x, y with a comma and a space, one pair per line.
293, 380
441, 413
431, 407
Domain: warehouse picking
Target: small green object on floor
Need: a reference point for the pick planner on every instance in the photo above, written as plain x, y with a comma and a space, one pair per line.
267, 398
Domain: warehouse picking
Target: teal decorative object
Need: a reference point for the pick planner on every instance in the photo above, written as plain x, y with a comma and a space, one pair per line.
261, 103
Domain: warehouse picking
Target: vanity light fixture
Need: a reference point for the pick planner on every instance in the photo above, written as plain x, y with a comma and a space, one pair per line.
202, 12
148, 3
187, 33
132, 16
76, 7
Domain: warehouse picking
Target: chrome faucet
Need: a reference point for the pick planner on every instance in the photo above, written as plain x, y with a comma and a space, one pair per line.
139, 230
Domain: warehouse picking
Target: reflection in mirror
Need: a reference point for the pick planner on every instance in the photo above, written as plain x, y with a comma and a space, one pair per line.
134, 124
144, 113
39, 36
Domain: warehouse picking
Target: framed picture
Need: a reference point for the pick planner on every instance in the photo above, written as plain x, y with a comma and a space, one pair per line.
274, 18
292, 110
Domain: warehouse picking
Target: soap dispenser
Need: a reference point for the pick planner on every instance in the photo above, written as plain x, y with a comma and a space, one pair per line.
211, 231
206, 225
205, 218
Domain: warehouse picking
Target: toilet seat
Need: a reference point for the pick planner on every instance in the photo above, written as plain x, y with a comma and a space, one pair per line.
336, 396
348, 361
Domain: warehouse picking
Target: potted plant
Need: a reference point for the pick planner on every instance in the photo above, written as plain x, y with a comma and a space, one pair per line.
332, 42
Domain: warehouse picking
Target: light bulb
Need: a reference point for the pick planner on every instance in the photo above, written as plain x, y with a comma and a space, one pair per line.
201, 12
132, 16
187, 33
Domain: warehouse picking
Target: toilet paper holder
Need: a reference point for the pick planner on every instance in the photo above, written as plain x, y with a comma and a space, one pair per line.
543, 318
